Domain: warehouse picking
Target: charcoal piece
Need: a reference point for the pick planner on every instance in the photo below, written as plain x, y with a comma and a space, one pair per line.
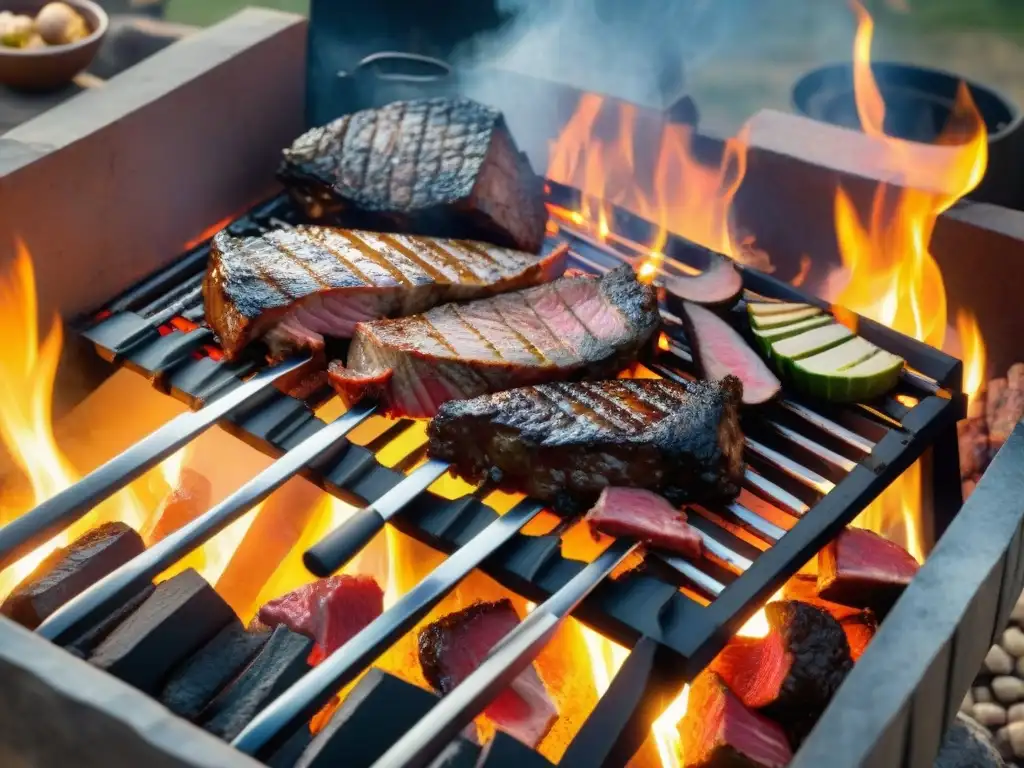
69, 571
459, 754
86, 643
280, 663
967, 745
288, 754
196, 682
374, 715
504, 751
859, 624
181, 615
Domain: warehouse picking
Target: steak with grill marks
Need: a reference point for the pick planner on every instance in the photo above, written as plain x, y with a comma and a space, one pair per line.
293, 287
566, 442
446, 167
573, 328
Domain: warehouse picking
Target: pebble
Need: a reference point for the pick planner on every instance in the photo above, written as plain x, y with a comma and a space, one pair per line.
1015, 713
1015, 732
992, 716
1003, 742
1013, 641
967, 704
1017, 614
998, 661
1007, 690
981, 694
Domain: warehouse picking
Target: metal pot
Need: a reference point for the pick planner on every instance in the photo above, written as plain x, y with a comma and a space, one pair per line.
388, 76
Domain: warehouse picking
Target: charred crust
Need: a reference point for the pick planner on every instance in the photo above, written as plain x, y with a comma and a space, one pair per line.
433, 638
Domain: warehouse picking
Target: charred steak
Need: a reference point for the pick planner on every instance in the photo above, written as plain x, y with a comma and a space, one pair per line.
446, 167
566, 442
573, 328
296, 286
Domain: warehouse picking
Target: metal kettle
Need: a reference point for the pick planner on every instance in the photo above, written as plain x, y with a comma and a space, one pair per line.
388, 76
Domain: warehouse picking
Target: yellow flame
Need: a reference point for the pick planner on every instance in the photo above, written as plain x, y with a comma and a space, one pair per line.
973, 353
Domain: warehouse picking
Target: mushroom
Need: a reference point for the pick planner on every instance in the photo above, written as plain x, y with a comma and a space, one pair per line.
59, 24
15, 31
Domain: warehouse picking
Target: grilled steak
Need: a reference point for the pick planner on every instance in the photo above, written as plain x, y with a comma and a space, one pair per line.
296, 286
573, 328
452, 647
646, 516
446, 167
565, 443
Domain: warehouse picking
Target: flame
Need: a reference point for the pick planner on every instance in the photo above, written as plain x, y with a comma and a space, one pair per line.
973, 353
682, 195
892, 276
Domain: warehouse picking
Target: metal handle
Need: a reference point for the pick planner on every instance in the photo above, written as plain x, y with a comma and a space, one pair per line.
106, 594
444, 69
300, 702
345, 542
35, 528
507, 659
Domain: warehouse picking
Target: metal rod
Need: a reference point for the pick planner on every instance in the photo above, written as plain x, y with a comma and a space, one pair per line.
514, 653
823, 453
793, 469
21, 536
753, 521
778, 495
694, 574
300, 702
827, 425
109, 592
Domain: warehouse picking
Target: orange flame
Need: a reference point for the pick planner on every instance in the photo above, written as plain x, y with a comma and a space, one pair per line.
893, 277
973, 353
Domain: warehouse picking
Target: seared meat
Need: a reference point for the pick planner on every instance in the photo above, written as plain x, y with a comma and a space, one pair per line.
573, 328
861, 568
296, 286
565, 443
452, 647
643, 515
446, 167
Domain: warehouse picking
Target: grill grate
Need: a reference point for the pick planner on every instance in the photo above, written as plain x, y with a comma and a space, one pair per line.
811, 469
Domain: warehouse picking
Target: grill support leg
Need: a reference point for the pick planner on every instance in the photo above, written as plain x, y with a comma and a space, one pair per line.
941, 492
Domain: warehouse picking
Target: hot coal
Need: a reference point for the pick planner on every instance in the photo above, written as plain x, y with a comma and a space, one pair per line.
718, 731
572, 328
718, 286
452, 647
329, 611
446, 166
864, 569
720, 351
565, 443
859, 624
278, 665
646, 516
69, 571
86, 642
374, 715
196, 682
189, 499
503, 751
292, 287
795, 669
181, 615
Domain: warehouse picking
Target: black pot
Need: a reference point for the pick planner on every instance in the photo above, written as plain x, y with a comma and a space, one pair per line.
388, 76
918, 102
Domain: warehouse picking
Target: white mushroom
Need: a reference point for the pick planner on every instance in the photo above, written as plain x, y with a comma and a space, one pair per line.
59, 24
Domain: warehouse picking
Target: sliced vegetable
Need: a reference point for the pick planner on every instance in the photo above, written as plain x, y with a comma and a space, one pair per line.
768, 336
720, 285
783, 318
812, 342
773, 307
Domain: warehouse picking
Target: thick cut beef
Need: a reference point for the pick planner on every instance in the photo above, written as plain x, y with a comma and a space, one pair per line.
861, 568
565, 443
445, 167
573, 328
329, 611
452, 647
295, 286
646, 516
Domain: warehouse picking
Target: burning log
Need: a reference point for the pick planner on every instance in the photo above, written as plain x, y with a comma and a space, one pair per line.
646, 516
69, 571
181, 506
1005, 407
200, 678
181, 615
861, 568
328, 611
719, 732
279, 664
456, 644
973, 437
859, 624
793, 670
87, 642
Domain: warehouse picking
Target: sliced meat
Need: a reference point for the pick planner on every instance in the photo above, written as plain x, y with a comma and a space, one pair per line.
292, 287
446, 167
565, 443
329, 611
861, 568
646, 516
573, 328
186, 501
452, 647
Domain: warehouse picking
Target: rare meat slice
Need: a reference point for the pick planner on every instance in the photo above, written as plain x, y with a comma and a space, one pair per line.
329, 611
565, 443
578, 327
861, 568
646, 516
719, 732
446, 167
452, 647
295, 286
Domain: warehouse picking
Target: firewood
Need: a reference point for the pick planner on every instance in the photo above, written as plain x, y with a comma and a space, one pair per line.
1009, 410
972, 434
69, 571
181, 615
87, 641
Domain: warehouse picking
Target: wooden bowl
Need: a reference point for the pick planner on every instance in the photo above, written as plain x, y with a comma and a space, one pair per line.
50, 67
